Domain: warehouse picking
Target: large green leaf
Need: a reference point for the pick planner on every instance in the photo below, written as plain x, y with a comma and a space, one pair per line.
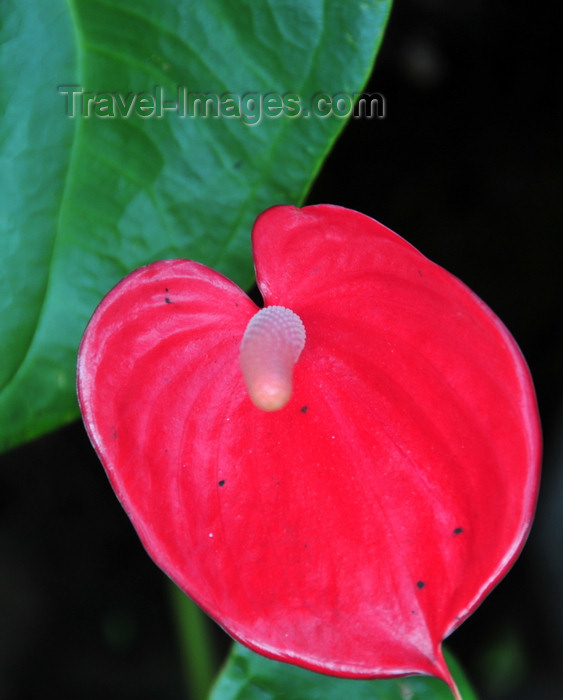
85, 199
248, 676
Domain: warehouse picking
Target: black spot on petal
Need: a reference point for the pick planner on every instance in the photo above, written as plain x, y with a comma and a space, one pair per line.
420, 584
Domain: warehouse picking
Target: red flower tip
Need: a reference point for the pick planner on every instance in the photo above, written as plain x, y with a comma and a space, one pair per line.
271, 345
355, 529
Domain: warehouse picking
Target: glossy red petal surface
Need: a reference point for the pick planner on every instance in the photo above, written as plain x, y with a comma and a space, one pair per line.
354, 529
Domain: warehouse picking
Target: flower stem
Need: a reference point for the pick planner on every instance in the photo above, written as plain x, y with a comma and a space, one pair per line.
198, 653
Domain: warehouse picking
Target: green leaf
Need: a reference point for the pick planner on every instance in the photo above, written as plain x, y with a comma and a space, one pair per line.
249, 676
87, 194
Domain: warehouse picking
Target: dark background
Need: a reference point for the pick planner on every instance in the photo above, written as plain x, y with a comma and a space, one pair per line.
466, 166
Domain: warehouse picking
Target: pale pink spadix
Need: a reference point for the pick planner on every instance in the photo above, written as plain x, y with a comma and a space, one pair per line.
271, 345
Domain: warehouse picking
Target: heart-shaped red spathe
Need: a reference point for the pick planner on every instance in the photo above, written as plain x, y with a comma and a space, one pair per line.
354, 529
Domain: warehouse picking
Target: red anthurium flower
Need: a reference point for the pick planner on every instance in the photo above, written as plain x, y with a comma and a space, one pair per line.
339, 482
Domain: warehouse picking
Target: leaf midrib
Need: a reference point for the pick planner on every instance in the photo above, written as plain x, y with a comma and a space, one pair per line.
64, 194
